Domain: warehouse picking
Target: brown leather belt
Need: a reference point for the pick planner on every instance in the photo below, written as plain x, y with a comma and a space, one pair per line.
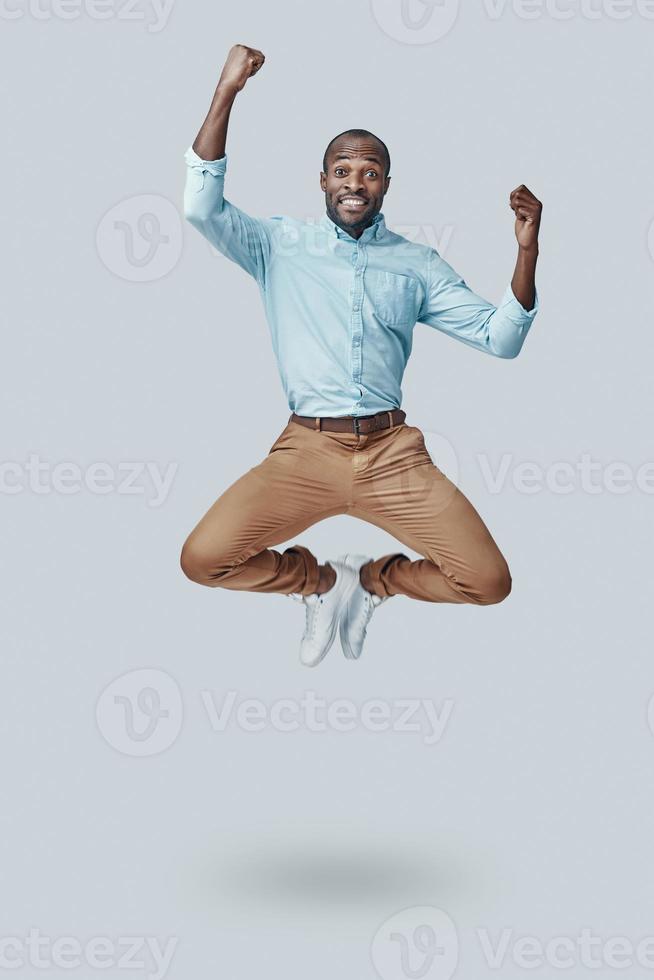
360, 424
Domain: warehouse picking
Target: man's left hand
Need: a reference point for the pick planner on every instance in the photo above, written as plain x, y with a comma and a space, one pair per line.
527, 216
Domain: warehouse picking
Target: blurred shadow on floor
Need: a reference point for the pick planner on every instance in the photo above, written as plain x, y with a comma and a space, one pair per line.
329, 874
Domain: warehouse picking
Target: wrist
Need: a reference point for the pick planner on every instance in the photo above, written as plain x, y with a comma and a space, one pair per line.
226, 90
528, 251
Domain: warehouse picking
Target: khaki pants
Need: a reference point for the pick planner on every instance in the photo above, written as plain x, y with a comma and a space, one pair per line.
386, 478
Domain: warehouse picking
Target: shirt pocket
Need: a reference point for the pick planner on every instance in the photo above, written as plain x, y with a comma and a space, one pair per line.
394, 298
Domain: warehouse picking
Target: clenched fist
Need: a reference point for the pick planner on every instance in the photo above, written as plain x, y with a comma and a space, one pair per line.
527, 216
242, 62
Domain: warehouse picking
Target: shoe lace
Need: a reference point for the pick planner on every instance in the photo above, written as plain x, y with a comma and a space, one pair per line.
366, 611
311, 619
310, 613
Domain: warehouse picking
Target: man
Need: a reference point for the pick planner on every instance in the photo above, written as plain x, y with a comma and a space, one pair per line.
342, 297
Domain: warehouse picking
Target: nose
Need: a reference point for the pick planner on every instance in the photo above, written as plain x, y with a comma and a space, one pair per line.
354, 184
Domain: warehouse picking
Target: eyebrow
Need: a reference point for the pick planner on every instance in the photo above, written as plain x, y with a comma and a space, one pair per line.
347, 156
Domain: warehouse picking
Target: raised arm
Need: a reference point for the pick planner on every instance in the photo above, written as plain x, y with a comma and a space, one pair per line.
451, 306
527, 223
242, 238
242, 62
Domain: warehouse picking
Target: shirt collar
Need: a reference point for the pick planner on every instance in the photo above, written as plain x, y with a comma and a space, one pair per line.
374, 231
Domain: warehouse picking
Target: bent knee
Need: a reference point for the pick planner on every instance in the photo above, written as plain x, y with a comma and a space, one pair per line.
493, 586
196, 562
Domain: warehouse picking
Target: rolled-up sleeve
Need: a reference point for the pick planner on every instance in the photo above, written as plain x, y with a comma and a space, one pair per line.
452, 307
240, 237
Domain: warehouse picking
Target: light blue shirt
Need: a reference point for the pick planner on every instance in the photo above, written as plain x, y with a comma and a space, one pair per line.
341, 310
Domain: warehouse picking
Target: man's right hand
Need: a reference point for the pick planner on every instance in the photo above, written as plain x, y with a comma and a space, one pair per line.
242, 62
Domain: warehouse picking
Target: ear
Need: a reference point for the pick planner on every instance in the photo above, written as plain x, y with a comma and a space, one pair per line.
387, 185
323, 180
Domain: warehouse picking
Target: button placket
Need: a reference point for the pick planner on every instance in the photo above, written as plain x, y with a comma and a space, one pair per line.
360, 259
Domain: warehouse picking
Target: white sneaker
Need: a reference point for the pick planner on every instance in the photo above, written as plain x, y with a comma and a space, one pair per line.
358, 609
323, 612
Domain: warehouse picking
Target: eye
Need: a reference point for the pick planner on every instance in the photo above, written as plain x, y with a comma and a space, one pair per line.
339, 171
372, 173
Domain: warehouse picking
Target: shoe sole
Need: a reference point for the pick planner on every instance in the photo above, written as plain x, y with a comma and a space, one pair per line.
348, 652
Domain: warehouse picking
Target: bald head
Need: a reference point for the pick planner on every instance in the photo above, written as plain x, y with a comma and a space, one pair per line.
343, 140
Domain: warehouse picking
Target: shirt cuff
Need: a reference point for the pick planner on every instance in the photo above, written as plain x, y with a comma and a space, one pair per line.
215, 167
514, 306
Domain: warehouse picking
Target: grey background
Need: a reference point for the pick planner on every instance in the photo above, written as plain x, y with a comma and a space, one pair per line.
281, 854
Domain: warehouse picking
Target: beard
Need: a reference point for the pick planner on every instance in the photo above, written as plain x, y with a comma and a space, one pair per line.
357, 223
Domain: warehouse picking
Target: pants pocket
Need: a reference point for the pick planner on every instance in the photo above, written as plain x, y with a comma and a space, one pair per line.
278, 441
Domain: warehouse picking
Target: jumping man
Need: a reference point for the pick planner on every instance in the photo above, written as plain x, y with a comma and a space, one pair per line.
342, 297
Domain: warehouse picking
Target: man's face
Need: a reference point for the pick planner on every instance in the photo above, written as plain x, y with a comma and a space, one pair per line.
354, 184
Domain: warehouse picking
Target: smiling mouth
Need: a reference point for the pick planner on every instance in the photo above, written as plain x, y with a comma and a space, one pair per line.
353, 203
